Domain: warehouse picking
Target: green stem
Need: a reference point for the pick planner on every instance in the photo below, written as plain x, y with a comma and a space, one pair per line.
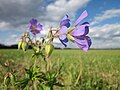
35, 39
35, 61
48, 64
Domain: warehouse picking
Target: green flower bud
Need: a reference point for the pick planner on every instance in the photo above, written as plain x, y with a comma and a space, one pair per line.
70, 37
24, 46
29, 42
48, 49
25, 34
20, 45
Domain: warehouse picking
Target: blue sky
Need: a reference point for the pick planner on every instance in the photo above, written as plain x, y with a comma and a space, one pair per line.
103, 15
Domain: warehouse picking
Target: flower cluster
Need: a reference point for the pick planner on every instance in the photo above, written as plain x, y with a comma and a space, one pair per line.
77, 33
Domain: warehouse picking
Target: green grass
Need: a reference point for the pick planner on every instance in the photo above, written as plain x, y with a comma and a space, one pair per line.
100, 69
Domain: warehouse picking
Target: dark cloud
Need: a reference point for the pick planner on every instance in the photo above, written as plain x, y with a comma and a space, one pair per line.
17, 12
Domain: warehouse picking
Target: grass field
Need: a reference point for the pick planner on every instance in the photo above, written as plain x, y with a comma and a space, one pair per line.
97, 69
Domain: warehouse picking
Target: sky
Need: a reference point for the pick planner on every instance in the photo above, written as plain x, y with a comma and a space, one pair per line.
103, 16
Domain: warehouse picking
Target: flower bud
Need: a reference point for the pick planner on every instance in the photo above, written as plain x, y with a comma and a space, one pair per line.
29, 42
25, 34
20, 45
70, 37
24, 46
48, 49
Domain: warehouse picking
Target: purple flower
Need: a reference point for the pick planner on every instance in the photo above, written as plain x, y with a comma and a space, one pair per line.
80, 36
64, 25
65, 22
77, 35
35, 27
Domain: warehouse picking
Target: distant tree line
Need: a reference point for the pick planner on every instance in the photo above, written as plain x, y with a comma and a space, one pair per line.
15, 46
2, 46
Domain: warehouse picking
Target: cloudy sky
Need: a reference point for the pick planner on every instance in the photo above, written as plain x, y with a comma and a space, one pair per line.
104, 17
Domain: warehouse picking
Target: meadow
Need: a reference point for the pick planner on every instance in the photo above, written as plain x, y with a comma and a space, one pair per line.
94, 70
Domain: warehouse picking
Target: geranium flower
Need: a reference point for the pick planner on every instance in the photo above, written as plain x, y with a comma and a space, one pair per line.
80, 36
35, 27
64, 25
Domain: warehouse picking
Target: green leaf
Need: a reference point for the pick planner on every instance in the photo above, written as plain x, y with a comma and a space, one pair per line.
24, 83
7, 81
12, 79
43, 87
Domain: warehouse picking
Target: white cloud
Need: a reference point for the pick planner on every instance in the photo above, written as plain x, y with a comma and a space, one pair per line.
106, 36
106, 15
4, 24
14, 36
60, 8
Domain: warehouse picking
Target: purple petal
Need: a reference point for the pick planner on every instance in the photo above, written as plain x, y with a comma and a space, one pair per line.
37, 31
34, 31
82, 43
30, 27
65, 17
85, 23
65, 22
81, 30
82, 16
64, 41
33, 21
63, 30
89, 41
39, 27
